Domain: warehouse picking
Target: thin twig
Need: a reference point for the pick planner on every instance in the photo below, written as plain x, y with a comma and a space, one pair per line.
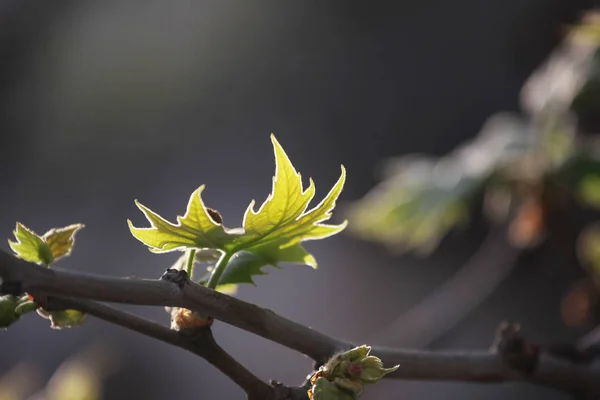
453, 301
20, 276
201, 343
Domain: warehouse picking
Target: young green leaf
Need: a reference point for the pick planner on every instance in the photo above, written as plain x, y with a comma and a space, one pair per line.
30, 247
246, 264
283, 220
63, 318
45, 249
269, 235
61, 240
196, 229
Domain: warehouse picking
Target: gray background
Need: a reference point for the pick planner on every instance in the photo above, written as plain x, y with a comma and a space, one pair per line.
105, 102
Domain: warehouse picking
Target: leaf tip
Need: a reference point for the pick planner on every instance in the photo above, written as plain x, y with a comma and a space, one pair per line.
131, 227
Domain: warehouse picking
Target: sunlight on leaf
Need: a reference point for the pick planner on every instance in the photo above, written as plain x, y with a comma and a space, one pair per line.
31, 247
61, 240
269, 235
196, 229
283, 217
45, 249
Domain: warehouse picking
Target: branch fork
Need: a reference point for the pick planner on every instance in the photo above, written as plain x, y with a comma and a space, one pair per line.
512, 358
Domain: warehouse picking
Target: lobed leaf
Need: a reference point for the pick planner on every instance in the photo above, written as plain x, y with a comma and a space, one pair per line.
196, 229
283, 217
30, 247
61, 240
268, 236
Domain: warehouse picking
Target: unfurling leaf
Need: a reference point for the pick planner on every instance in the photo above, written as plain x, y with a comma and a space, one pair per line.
63, 318
45, 249
268, 236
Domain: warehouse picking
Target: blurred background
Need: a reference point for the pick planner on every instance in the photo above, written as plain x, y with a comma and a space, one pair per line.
105, 102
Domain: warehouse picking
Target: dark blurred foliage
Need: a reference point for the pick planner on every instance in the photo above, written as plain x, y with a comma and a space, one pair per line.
104, 102
527, 169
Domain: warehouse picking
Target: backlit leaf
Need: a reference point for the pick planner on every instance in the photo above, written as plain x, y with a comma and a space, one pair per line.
61, 240
45, 249
196, 229
269, 235
31, 247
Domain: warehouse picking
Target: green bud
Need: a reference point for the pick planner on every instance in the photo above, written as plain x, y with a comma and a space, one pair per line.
325, 390
25, 306
372, 369
8, 316
357, 353
351, 385
11, 309
349, 372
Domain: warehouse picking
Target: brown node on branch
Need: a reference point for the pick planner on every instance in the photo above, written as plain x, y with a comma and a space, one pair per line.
185, 320
516, 352
177, 276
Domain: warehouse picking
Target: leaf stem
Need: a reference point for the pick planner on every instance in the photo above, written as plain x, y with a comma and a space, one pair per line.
190, 263
213, 281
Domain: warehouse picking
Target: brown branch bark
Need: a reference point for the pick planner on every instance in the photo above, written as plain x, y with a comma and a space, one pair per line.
488, 366
201, 342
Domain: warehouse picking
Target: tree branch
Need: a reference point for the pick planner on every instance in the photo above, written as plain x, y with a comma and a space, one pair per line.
490, 366
201, 342
21, 276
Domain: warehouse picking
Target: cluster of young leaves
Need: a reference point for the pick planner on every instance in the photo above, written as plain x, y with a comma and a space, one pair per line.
569, 82
421, 198
515, 163
268, 236
346, 374
42, 250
